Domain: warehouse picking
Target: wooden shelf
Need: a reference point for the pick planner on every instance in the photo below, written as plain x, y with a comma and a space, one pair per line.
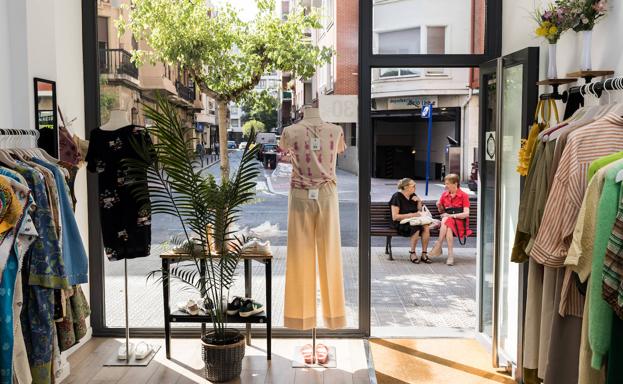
202, 317
584, 74
556, 81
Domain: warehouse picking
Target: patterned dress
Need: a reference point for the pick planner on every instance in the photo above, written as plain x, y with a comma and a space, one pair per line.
126, 225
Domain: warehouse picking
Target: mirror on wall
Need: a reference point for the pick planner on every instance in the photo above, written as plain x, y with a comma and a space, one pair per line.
45, 115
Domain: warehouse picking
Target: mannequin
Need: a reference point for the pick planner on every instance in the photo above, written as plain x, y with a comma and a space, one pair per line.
126, 225
118, 119
313, 229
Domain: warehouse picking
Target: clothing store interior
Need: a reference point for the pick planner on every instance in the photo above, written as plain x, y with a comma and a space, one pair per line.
285, 191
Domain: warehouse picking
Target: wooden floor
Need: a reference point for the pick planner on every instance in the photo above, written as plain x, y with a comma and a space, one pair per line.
186, 366
434, 361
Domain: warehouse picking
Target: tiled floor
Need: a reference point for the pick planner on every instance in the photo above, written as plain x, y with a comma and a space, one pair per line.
186, 366
434, 361
403, 294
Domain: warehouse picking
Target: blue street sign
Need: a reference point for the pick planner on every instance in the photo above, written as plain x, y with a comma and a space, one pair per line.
427, 113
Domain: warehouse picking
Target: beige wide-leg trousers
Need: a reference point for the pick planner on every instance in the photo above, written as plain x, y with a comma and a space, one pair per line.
314, 234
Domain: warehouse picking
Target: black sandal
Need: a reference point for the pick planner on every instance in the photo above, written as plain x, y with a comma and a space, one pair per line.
414, 261
425, 258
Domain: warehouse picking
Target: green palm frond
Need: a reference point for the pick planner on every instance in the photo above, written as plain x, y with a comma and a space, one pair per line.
177, 188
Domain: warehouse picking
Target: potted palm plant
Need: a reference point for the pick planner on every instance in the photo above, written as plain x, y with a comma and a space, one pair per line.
178, 187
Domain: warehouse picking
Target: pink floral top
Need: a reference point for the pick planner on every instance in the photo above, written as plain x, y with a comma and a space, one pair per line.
312, 168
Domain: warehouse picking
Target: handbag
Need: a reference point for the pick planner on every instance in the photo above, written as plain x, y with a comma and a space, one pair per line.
425, 218
453, 211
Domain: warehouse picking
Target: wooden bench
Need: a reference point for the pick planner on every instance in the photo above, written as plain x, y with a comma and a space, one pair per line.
381, 218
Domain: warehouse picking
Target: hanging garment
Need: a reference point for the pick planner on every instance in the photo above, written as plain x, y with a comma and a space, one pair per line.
564, 345
73, 327
126, 226
586, 373
313, 226
600, 314
314, 234
18, 197
565, 198
532, 321
68, 150
74, 254
612, 278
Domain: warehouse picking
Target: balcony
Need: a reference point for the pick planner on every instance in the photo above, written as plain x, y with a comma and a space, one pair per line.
185, 92
117, 62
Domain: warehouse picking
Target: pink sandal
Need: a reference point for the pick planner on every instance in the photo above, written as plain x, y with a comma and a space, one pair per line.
322, 354
308, 354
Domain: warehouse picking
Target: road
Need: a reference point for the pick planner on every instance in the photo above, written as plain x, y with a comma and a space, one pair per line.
271, 206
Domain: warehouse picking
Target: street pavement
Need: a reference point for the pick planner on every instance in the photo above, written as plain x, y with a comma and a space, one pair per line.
403, 294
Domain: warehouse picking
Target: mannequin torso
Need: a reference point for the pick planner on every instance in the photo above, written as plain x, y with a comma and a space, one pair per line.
314, 146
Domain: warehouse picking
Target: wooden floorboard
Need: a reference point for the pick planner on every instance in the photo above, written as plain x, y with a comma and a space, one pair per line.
186, 366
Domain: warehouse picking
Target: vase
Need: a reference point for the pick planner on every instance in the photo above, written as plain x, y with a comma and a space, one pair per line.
586, 50
552, 71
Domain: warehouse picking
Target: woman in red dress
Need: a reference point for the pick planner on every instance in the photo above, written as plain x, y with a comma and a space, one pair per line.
453, 206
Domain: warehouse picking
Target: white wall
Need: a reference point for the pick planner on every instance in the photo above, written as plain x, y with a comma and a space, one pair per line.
391, 15
43, 39
518, 33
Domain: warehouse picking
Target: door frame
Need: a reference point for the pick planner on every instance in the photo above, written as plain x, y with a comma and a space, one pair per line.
367, 61
529, 58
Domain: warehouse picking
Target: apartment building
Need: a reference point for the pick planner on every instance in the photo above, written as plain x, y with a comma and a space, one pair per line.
123, 85
340, 76
400, 134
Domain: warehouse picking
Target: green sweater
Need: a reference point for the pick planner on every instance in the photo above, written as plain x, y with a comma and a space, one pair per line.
600, 314
601, 162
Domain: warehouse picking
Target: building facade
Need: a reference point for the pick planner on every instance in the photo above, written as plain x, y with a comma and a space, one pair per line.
125, 86
400, 134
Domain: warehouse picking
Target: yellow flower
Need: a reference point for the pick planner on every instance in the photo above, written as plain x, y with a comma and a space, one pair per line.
546, 24
553, 30
541, 31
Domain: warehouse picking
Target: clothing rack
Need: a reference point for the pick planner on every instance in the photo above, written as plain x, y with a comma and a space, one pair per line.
19, 132
595, 88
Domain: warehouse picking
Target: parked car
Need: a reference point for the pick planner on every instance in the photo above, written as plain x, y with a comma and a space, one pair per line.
231, 144
269, 155
242, 145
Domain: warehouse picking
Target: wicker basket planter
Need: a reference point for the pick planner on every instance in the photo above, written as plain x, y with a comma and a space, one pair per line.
223, 362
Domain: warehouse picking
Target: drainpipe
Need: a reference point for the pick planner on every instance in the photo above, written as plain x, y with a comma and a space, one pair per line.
465, 135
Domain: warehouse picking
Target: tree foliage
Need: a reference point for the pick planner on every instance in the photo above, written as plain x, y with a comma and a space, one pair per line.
225, 56
251, 126
261, 106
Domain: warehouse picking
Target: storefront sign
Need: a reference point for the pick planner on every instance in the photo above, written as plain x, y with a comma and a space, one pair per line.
338, 108
490, 146
411, 102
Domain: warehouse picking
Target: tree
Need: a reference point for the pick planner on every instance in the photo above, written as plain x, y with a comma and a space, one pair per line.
261, 106
252, 125
224, 55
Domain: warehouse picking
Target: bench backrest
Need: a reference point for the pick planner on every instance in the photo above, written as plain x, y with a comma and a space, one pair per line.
380, 213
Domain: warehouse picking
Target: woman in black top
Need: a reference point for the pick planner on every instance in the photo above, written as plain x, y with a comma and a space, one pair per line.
406, 204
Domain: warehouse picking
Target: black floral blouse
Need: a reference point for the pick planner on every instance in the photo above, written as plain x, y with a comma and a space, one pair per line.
126, 224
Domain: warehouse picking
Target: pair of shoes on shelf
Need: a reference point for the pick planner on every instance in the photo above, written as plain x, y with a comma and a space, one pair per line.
244, 307
257, 247
322, 354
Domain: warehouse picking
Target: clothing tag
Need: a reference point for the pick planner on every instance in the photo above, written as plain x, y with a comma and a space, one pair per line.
312, 194
315, 144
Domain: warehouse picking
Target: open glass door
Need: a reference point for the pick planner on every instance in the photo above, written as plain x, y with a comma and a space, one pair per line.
508, 98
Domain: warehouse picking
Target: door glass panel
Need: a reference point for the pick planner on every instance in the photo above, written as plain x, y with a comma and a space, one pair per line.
450, 27
487, 185
510, 182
